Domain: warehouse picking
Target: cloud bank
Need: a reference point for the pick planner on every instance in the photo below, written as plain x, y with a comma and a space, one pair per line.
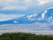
42, 2
4, 17
21, 4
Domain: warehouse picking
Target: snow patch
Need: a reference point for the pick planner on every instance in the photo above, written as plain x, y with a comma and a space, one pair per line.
15, 22
44, 14
31, 16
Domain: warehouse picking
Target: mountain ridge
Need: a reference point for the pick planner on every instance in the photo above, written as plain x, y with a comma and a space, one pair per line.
43, 17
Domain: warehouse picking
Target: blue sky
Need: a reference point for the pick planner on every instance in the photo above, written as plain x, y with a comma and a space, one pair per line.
10, 9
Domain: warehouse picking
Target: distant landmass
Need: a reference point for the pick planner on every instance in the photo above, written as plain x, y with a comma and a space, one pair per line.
31, 22
43, 17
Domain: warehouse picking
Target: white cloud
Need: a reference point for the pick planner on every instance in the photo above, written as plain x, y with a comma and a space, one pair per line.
42, 2
21, 4
15, 4
4, 17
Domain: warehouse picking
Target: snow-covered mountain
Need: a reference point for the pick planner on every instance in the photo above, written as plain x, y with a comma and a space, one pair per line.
41, 23
43, 17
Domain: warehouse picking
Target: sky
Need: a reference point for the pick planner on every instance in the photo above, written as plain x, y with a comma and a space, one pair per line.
10, 9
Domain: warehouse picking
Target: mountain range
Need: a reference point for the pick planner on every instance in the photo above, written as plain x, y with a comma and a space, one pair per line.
31, 22
43, 17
